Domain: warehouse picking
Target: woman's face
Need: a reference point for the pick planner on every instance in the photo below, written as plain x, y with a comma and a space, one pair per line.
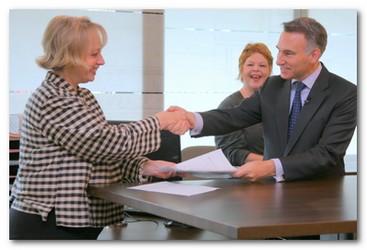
93, 58
255, 71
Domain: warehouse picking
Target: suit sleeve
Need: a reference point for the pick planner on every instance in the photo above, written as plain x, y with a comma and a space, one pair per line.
224, 121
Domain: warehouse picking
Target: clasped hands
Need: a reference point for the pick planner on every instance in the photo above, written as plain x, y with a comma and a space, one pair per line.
176, 120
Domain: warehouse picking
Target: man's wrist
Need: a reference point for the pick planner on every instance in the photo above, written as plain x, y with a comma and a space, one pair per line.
198, 125
279, 172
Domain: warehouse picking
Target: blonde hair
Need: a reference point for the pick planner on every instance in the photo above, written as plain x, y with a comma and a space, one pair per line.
249, 50
66, 40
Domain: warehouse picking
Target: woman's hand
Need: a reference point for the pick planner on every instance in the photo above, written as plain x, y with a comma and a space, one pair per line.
160, 169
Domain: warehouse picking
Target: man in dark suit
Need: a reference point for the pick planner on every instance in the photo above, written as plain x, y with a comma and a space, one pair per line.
326, 122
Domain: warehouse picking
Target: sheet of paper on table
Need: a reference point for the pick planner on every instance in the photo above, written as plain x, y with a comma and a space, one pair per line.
173, 188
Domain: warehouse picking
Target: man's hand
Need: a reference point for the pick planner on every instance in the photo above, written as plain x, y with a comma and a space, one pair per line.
255, 170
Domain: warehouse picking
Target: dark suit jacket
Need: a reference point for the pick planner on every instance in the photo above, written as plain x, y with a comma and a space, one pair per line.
322, 134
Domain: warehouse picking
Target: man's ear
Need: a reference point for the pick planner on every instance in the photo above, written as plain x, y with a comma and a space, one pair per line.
315, 55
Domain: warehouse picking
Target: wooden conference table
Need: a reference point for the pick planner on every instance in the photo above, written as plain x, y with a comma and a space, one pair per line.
243, 210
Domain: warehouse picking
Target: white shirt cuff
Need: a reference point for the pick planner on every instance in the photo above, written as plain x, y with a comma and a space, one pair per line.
279, 172
199, 123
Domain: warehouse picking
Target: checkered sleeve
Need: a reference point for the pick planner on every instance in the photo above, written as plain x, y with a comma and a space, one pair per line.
78, 125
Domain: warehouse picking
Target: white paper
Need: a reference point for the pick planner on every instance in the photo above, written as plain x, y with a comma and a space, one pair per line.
174, 188
213, 162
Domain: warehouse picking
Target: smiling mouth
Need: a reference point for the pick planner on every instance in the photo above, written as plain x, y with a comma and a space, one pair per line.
93, 70
255, 77
284, 68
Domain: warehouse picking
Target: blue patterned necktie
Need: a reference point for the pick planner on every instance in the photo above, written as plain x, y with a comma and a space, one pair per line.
296, 108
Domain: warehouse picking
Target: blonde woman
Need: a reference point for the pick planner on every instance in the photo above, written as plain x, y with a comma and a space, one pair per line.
67, 144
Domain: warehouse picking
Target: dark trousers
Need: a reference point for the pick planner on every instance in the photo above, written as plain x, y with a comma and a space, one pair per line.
25, 226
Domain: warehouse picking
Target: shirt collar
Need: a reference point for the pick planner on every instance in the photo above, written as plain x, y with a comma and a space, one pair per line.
311, 79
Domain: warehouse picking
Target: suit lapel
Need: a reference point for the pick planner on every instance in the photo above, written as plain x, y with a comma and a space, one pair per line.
282, 111
316, 97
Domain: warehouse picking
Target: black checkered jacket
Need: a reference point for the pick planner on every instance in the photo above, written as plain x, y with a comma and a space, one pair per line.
67, 145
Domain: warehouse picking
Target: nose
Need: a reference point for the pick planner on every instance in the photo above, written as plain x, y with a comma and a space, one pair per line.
100, 60
280, 59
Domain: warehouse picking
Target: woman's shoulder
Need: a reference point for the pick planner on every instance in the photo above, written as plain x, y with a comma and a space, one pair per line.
232, 100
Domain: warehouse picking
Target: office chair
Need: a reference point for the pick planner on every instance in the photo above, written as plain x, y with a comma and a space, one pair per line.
194, 151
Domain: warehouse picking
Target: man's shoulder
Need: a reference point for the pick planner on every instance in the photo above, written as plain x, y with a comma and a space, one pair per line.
274, 82
340, 80
276, 79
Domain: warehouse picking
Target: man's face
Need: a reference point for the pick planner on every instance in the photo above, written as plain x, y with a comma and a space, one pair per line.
292, 58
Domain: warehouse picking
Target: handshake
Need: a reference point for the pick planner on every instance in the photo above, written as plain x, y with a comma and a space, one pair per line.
176, 119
